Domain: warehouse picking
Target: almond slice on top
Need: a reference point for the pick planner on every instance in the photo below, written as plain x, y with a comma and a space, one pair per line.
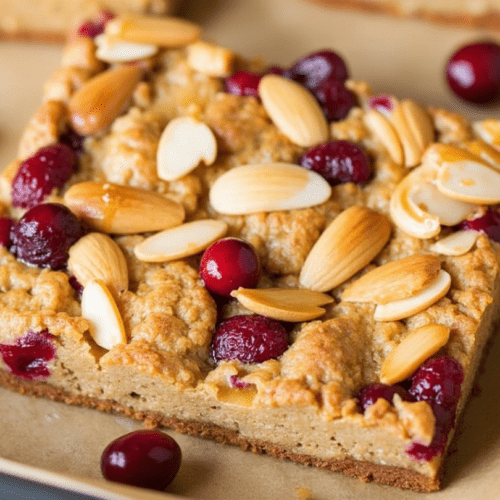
418, 346
181, 241
100, 309
403, 308
458, 243
267, 187
114, 51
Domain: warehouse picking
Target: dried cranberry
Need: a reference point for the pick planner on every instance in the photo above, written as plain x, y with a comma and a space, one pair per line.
277, 70
75, 284
48, 168
243, 83
72, 139
316, 68
473, 72
238, 383
338, 162
6, 224
228, 264
144, 458
28, 356
94, 27
249, 339
382, 102
335, 99
372, 392
44, 235
489, 223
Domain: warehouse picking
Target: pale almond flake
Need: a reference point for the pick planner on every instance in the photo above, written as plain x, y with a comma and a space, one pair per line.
184, 144
488, 130
115, 51
284, 304
267, 187
105, 322
484, 151
351, 241
418, 346
457, 243
294, 110
210, 59
419, 123
380, 127
404, 308
181, 241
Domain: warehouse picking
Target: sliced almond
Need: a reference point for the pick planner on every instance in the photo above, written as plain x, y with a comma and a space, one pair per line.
160, 31
294, 110
488, 130
101, 99
100, 309
404, 308
210, 59
349, 243
395, 280
181, 241
267, 187
95, 257
183, 145
115, 51
418, 346
419, 123
284, 304
116, 209
484, 151
457, 243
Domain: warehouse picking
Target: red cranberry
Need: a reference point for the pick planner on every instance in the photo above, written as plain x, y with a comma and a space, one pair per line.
335, 99
94, 27
6, 224
145, 458
249, 339
48, 168
382, 102
473, 72
44, 235
75, 284
338, 162
243, 83
314, 69
28, 356
228, 264
72, 139
238, 383
489, 223
372, 392
277, 70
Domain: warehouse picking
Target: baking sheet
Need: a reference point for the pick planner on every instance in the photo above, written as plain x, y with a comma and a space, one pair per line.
59, 445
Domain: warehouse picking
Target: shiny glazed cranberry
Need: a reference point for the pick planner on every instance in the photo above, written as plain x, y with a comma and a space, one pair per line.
44, 235
335, 99
489, 223
249, 339
6, 224
338, 162
228, 264
372, 392
243, 83
145, 458
48, 168
28, 356
473, 72
94, 27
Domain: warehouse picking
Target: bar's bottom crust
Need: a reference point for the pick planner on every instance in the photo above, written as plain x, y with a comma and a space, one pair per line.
364, 471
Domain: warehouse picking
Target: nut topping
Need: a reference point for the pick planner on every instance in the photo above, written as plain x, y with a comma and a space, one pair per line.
114, 51
381, 127
457, 243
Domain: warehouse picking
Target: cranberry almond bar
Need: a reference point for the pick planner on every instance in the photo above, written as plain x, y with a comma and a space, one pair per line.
264, 256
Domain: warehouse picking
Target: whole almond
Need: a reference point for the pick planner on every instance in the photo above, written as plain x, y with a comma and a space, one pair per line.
349, 243
294, 110
116, 209
96, 256
395, 280
101, 99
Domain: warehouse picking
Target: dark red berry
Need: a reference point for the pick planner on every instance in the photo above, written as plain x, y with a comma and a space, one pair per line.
372, 392
314, 69
94, 27
28, 356
335, 99
277, 70
6, 224
75, 284
338, 162
243, 83
48, 168
249, 339
238, 383
473, 72
144, 458
489, 223
44, 235
228, 264
72, 139
382, 102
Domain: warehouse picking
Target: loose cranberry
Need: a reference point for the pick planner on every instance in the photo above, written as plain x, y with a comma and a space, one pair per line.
372, 392
314, 69
145, 458
243, 83
28, 356
6, 224
489, 223
44, 235
228, 264
473, 72
94, 27
249, 339
48, 168
335, 99
338, 162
